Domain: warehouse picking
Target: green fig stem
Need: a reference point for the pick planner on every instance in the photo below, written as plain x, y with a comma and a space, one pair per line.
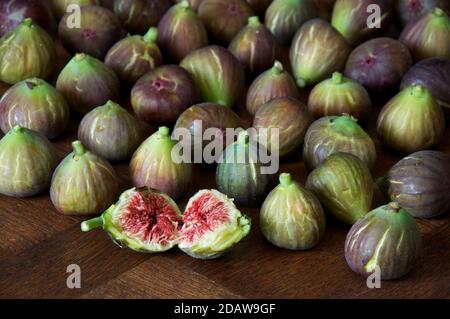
28, 22
92, 224
347, 125
439, 12
78, 148
152, 35
110, 105
80, 57
164, 131
277, 67
337, 78
285, 179
185, 4
418, 91
254, 21
301, 83
244, 138
394, 207
17, 129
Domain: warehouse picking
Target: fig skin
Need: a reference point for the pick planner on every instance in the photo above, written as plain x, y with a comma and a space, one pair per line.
344, 185
134, 56
273, 83
153, 165
28, 161
36, 105
111, 132
217, 73
428, 37
420, 183
290, 116
137, 16
161, 96
224, 18
389, 238
99, 30
317, 51
339, 95
181, 31
255, 47
350, 19
83, 183
379, 64
413, 10
27, 51
284, 17
416, 107
292, 216
95, 83
330, 135
60, 7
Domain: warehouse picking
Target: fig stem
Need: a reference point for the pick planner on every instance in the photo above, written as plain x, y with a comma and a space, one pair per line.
151, 35
418, 90
80, 57
92, 224
17, 129
185, 4
285, 179
438, 12
244, 138
111, 105
347, 125
337, 78
278, 67
301, 83
254, 21
78, 148
394, 207
164, 131
28, 22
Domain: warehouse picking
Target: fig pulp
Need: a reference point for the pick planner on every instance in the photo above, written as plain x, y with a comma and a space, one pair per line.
143, 220
155, 165
224, 18
111, 132
161, 96
428, 37
379, 64
330, 135
83, 183
292, 216
217, 73
134, 56
28, 160
212, 225
413, 10
61, 7
36, 105
284, 17
292, 119
388, 238
87, 83
99, 29
411, 121
273, 83
181, 31
255, 47
27, 51
420, 183
344, 185
316, 52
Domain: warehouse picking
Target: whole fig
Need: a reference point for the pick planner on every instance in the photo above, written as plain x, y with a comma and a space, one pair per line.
413, 10
61, 7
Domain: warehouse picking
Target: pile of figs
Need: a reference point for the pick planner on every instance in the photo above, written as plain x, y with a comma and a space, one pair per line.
313, 89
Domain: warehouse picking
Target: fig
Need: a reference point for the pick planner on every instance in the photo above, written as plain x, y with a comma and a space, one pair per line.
344, 185
290, 116
224, 18
36, 105
255, 47
333, 134
411, 121
212, 225
28, 160
316, 52
428, 37
83, 183
111, 132
239, 174
155, 165
325, 8
292, 216
387, 238
339, 95
61, 7
259, 6
420, 183
434, 75
99, 29
143, 220
217, 73
351, 18
134, 56
27, 51
273, 83
379, 64
13, 12
87, 83
181, 31
413, 10
137, 16
161, 96
284, 17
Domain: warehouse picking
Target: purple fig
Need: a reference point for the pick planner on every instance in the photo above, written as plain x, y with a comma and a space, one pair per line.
413, 10
379, 64
61, 7
87, 83
224, 18
134, 56
161, 96
36, 105
259, 6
